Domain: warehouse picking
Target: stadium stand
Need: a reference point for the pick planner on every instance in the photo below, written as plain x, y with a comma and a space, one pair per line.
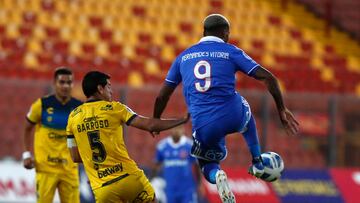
136, 41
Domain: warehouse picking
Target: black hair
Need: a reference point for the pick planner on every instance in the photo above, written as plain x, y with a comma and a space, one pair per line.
91, 81
215, 24
62, 71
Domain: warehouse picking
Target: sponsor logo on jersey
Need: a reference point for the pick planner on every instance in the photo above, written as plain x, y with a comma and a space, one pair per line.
56, 136
106, 108
50, 110
76, 111
57, 160
110, 170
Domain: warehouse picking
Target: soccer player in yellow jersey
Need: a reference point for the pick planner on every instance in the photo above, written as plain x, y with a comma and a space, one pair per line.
53, 165
95, 138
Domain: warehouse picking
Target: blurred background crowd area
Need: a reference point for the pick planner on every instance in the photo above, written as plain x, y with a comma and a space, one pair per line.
311, 46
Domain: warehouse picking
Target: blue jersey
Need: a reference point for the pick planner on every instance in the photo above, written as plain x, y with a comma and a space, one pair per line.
177, 164
207, 71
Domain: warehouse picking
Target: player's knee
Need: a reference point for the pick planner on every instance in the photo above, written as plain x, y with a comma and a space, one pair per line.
209, 170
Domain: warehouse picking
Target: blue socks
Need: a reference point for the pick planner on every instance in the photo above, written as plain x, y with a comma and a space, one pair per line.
209, 170
251, 138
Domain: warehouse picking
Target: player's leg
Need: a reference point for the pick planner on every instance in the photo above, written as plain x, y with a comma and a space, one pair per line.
69, 189
130, 188
46, 184
252, 140
209, 155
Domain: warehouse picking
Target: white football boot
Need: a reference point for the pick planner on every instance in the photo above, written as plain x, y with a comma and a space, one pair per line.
223, 188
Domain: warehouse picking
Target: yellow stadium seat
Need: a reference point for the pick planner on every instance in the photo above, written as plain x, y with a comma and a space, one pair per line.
14, 17
317, 62
75, 48
12, 30
109, 22
167, 53
102, 49
43, 18
92, 35
130, 38
354, 63
135, 79
30, 61
327, 74
62, 6
3, 17
129, 51
118, 36
152, 67
34, 46
66, 34
39, 32
8, 4
268, 60
318, 48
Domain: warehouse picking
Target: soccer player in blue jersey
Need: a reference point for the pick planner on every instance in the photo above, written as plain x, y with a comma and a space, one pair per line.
207, 72
173, 157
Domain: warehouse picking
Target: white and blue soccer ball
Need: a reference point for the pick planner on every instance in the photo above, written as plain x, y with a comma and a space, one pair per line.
274, 166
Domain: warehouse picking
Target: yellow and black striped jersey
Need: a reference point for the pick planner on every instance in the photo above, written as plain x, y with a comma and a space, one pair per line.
50, 149
98, 132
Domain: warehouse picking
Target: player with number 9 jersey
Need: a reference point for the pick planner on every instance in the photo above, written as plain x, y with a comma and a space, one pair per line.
207, 71
96, 125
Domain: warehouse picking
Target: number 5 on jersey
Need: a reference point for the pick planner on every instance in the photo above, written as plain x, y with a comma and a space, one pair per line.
206, 76
97, 148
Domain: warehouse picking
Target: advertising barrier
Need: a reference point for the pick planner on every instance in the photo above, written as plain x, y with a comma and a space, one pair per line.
299, 186
245, 188
18, 184
334, 185
348, 182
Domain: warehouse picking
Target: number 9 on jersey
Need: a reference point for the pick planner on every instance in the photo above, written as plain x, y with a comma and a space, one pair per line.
206, 76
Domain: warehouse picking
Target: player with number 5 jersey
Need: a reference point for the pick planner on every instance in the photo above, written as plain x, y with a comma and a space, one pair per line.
95, 138
207, 72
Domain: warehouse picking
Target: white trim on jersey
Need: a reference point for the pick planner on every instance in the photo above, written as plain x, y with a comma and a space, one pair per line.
252, 69
211, 38
167, 80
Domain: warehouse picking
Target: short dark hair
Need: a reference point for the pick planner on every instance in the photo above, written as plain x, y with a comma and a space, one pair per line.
91, 81
62, 71
215, 22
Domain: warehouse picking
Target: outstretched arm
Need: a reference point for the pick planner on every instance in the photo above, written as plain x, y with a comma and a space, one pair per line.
287, 118
155, 124
162, 100
28, 160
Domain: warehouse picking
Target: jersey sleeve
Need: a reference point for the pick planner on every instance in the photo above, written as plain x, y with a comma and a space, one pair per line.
34, 114
69, 131
244, 62
124, 113
173, 77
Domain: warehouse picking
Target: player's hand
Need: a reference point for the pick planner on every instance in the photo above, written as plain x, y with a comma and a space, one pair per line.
29, 163
289, 122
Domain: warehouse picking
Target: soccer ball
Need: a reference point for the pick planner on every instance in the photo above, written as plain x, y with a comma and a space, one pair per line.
274, 165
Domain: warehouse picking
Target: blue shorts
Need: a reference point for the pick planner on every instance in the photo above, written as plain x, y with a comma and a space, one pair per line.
209, 140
